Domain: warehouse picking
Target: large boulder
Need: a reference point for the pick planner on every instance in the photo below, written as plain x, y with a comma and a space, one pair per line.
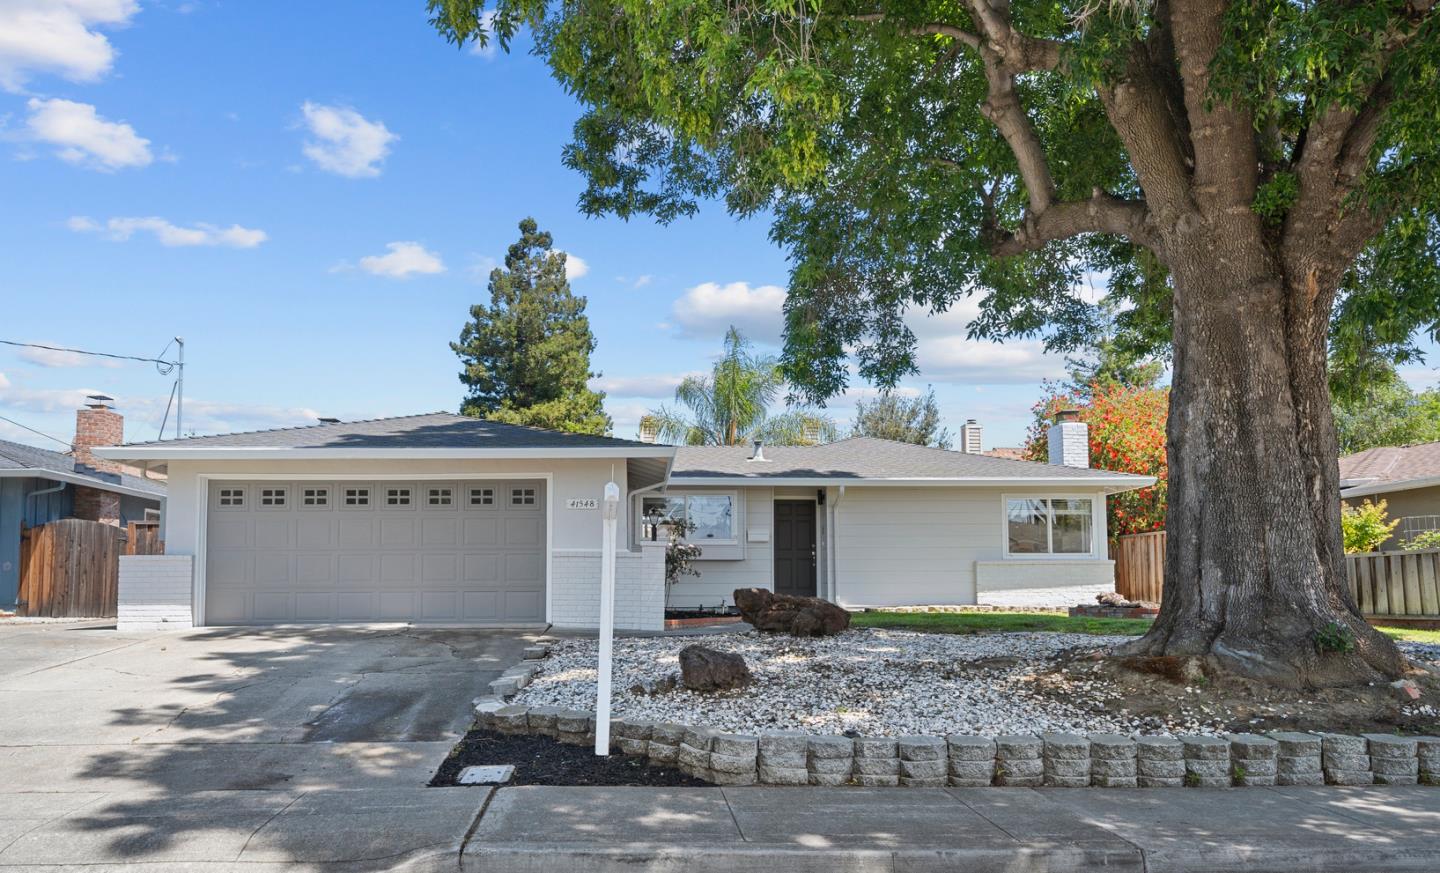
786, 614
705, 669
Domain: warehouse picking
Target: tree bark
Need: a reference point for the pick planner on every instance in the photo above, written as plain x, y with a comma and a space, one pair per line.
1254, 568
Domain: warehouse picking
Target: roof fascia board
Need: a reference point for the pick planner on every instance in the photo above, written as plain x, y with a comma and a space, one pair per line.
1128, 482
74, 479
278, 453
1388, 487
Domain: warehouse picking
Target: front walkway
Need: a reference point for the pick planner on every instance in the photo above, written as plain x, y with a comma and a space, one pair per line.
253, 747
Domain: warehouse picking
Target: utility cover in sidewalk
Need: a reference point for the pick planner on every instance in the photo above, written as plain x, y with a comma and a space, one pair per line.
489, 774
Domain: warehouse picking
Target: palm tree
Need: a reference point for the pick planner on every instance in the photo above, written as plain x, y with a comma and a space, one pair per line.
728, 407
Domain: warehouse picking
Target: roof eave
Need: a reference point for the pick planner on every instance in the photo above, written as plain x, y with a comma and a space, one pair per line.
77, 479
1374, 488
1113, 484
282, 453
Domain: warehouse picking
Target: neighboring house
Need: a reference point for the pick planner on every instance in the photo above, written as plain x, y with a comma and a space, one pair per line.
1407, 478
444, 518
39, 486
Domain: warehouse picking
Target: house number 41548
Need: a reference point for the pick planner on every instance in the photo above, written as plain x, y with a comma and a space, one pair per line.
582, 503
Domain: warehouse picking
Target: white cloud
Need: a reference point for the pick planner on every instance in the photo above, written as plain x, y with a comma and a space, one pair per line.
344, 141
575, 267
491, 47
405, 259
642, 281
653, 385
234, 236
58, 36
707, 310
84, 138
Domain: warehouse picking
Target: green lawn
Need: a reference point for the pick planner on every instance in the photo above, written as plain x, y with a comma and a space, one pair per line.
992, 622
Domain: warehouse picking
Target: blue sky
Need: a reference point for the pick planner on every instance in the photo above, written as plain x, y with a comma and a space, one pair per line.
311, 194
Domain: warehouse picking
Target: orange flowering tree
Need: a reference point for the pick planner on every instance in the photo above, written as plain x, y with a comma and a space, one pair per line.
1127, 435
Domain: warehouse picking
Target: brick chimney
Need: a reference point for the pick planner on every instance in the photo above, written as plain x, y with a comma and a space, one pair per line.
970, 437
98, 424
1069, 439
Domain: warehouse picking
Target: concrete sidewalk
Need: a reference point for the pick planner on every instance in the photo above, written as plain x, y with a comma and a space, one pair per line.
700, 830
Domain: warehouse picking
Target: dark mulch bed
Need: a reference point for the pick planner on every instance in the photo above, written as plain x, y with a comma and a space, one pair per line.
543, 761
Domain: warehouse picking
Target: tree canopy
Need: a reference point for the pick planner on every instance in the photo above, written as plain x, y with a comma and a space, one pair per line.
892, 416
730, 406
911, 153
526, 356
1386, 412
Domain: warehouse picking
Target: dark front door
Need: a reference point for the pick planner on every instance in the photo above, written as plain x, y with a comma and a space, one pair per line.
795, 547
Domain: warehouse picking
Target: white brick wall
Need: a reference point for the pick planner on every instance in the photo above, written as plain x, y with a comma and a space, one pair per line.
155, 593
993, 576
1069, 444
639, 588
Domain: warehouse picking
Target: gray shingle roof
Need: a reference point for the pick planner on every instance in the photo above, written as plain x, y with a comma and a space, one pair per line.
1391, 465
18, 456
864, 458
434, 430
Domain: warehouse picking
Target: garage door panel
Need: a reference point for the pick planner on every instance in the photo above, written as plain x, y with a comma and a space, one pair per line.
314, 531
453, 552
355, 532
274, 606
439, 568
522, 532
273, 569
315, 569
397, 533
397, 568
351, 567
355, 606
440, 531
482, 532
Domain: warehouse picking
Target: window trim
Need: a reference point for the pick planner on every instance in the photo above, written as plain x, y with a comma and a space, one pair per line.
282, 491
476, 491
301, 497
243, 495
411, 496
341, 496
735, 521
1097, 526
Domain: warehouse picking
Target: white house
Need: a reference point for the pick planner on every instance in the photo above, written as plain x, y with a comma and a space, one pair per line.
447, 519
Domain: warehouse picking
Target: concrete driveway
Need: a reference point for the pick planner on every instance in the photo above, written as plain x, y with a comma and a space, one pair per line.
214, 747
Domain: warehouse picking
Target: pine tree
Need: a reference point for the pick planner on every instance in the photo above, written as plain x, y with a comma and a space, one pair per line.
527, 355
907, 420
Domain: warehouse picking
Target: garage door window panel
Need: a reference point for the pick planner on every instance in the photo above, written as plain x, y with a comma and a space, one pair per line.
356, 497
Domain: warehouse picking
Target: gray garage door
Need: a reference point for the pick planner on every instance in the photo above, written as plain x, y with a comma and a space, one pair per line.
467, 552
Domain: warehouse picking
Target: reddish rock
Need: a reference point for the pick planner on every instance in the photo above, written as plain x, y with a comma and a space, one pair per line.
705, 669
782, 613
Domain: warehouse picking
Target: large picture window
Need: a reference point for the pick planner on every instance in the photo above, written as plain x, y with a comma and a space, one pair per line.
712, 514
1049, 526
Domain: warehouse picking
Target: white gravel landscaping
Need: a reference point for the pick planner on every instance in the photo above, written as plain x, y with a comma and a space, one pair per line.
872, 682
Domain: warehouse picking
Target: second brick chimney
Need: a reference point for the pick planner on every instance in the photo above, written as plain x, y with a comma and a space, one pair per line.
98, 424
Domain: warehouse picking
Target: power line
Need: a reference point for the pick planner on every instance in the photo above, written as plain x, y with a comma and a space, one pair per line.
33, 430
84, 352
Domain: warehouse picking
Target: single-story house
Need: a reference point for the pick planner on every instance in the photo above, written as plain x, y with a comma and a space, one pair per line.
1407, 478
449, 519
38, 486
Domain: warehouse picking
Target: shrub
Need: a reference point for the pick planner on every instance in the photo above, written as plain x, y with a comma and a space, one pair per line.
1427, 539
680, 555
1335, 637
1365, 526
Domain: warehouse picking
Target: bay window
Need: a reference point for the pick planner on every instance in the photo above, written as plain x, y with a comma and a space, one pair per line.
1049, 526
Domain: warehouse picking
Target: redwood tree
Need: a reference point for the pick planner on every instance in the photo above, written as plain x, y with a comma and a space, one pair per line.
1251, 168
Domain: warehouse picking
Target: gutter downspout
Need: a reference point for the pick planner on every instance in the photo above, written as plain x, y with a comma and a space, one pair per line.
832, 530
33, 494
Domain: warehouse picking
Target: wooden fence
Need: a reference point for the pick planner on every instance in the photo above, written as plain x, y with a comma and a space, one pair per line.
1396, 584
70, 568
1139, 565
143, 538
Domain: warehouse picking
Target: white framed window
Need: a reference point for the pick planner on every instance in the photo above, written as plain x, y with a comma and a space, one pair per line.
482, 497
355, 497
440, 496
232, 498
712, 513
273, 497
397, 497
315, 497
523, 496
1049, 526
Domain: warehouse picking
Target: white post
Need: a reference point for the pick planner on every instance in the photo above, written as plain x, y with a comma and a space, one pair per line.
607, 620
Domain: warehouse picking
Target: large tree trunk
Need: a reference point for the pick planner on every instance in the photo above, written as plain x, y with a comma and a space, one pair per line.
1254, 568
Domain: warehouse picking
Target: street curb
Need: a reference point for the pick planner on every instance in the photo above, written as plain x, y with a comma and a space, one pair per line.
653, 858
